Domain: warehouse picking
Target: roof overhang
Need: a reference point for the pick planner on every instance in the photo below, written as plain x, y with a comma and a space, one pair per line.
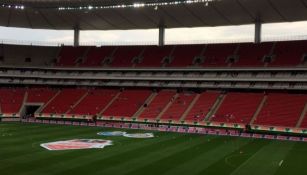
44, 14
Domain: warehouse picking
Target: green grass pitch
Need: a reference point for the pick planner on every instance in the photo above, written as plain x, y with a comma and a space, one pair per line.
167, 153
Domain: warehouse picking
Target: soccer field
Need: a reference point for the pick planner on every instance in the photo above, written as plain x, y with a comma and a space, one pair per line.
166, 153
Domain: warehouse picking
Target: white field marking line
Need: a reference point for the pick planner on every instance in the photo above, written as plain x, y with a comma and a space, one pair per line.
247, 161
280, 163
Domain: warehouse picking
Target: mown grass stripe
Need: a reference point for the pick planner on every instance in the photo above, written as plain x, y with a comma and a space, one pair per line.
240, 155
167, 153
177, 157
151, 155
125, 155
295, 161
88, 157
205, 159
264, 164
15, 151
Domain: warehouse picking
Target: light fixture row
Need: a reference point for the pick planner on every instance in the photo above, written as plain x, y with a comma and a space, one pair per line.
20, 7
119, 6
138, 5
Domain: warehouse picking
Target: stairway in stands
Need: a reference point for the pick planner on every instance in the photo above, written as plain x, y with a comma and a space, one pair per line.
215, 107
238, 107
47, 101
282, 110
148, 101
77, 102
109, 103
127, 103
202, 106
178, 106
64, 101
154, 108
302, 123
191, 105
94, 101
262, 103
168, 105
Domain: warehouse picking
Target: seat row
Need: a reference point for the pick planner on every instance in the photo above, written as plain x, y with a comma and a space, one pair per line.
287, 53
269, 109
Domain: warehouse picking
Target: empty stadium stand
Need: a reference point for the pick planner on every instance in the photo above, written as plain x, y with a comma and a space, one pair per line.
11, 100
238, 108
214, 95
282, 110
153, 109
124, 56
94, 102
202, 106
64, 101
216, 55
278, 109
185, 55
304, 123
96, 56
40, 95
127, 103
178, 106
153, 56
271, 54
289, 53
70, 55
252, 55
15, 55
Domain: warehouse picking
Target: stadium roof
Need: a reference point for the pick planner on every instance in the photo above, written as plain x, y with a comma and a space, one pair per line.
146, 14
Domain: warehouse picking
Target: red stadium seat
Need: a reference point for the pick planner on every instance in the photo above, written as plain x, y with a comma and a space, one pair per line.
64, 101
94, 102
157, 105
184, 55
124, 55
216, 54
238, 108
11, 100
202, 106
282, 110
127, 103
40, 95
69, 55
251, 55
153, 56
178, 107
289, 53
96, 55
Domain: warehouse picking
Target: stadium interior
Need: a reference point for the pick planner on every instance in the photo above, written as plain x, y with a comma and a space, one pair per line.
231, 85
255, 87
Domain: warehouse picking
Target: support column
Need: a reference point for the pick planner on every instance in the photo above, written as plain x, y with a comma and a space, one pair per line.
76, 36
258, 26
161, 35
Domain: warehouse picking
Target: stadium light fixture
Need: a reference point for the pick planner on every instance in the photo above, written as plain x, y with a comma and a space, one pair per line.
9, 6
138, 5
155, 4
90, 7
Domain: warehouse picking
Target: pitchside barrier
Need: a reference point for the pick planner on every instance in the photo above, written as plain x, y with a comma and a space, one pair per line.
257, 128
271, 129
164, 128
85, 120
